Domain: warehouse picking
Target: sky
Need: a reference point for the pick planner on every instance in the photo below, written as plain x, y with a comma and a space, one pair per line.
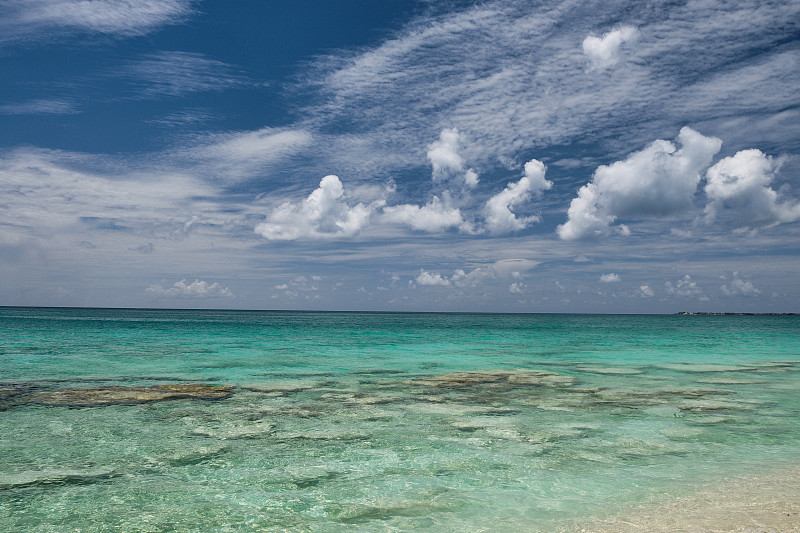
408, 155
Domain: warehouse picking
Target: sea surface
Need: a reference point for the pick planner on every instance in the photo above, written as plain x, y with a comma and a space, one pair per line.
153, 420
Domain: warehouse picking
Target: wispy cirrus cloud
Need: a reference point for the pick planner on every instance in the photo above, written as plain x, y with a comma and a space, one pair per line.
38, 19
522, 85
41, 106
58, 196
51, 192
238, 155
171, 73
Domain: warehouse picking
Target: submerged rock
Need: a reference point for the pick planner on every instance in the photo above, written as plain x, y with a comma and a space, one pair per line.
701, 406
114, 395
610, 370
10, 392
191, 456
729, 381
283, 387
703, 368
540, 378
55, 476
252, 430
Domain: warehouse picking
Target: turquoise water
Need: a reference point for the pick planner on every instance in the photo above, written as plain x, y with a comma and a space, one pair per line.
380, 422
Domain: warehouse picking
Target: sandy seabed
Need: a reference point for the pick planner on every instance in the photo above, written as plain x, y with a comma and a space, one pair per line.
768, 503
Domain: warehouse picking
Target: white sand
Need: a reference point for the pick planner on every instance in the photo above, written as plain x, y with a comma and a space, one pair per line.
764, 504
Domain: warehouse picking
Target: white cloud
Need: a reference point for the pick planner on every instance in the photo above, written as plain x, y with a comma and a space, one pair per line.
474, 278
196, 289
446, 161
645, 291
740, 185
521, 82
46, 191
431, 279
659, 180
681, 233
739, 287
433, 217
126, 17
603, 52
169, 73
516, 288
684, 288
610, 278
325, 214
513, 267
40, 107
499, 217
238, 155
460, 278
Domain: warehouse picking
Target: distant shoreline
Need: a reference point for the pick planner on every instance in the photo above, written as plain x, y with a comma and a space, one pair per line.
707, 313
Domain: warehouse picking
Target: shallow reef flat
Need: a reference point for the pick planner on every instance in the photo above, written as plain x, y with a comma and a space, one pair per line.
315, 423
472, 449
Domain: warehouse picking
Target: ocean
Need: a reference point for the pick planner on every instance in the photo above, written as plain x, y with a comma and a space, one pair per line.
165, 420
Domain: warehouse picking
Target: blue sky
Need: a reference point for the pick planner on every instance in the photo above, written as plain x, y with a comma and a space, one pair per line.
614, 156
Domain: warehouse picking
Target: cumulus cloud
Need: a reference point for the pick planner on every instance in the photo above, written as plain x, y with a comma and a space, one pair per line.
603, 52
325, 214
499, 216
610, 278
460, 278
431, 279
516, 288
659, 180
474, 278
440, 213
446, 161
645, 291
196, 289
434, 216
740, 186
739, 287
684, 288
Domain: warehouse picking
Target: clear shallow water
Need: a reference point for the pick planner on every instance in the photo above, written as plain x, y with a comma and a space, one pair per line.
382, 422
